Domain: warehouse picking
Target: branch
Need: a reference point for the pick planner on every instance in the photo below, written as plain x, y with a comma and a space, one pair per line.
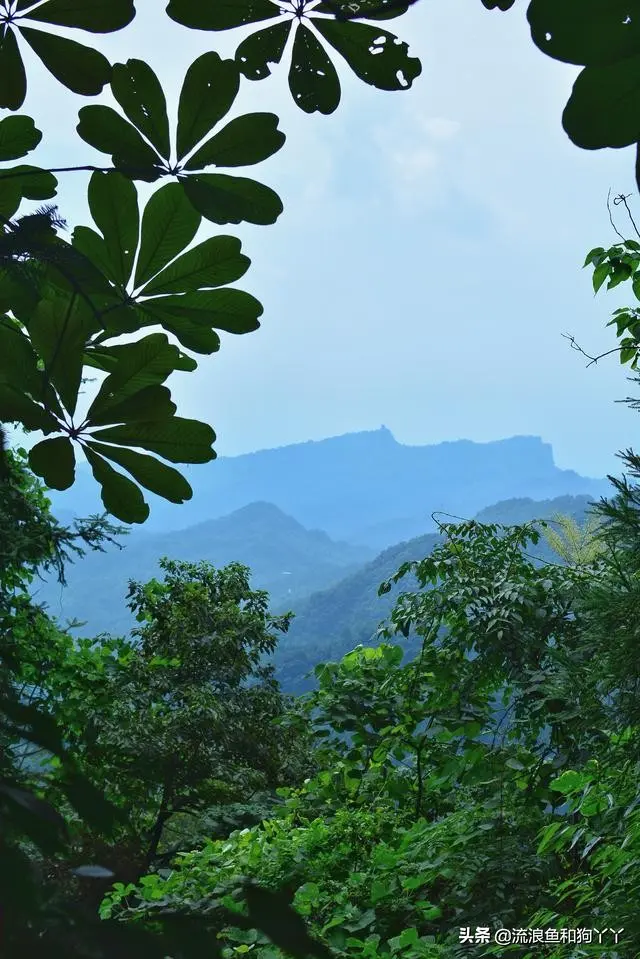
36, 171
592, 359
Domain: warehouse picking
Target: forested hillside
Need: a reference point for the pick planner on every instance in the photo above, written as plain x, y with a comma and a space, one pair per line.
331, 622
285, 558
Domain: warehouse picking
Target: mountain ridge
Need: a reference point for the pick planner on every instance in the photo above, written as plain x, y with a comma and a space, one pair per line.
361, 487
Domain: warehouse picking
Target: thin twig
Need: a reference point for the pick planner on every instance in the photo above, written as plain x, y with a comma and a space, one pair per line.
611, 217
621, 198
592, 359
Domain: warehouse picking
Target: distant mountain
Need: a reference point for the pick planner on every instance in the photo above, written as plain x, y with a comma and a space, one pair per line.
362, 487
331, 622
285, 558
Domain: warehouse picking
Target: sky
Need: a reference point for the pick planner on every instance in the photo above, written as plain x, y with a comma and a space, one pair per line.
429, 257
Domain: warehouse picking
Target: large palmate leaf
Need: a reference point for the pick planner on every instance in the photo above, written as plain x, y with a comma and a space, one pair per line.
604, 37
377, 57
140, 146
78, 67
154, 276
18, 137
176, 439
151, 473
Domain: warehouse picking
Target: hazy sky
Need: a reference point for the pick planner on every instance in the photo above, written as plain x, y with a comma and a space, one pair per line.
429, 255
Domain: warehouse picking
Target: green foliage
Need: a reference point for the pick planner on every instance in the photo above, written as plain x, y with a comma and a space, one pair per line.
374, 55
615, 266
432, 809
183, 719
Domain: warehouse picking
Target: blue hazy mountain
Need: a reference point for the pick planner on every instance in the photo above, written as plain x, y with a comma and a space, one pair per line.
364, 488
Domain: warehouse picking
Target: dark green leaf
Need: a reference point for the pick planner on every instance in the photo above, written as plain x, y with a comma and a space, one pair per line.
31, 182
228, 199
18, 136
600, 274
603, 109
259, 49
169, 224
220, 14
147, 362
81, 69
92, 245
13, 79
209, 89
15, 406
247, 139
59, 329
149, 403
18, 362
313, 80
106, 131
54, 460
377, 6
113, 202
10, 196
120, 496
212, 263
99, 16
177, 440
155, 476
503, 5
584, 31
191, 335
231, 310
137, 89
374, 55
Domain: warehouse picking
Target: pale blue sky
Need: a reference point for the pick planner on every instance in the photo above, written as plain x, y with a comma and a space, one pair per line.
429, 256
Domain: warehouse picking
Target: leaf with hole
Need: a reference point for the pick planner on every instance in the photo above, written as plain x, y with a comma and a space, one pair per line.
138, 91
374, 55
313, 79
258, 50
106, 131
113, 201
